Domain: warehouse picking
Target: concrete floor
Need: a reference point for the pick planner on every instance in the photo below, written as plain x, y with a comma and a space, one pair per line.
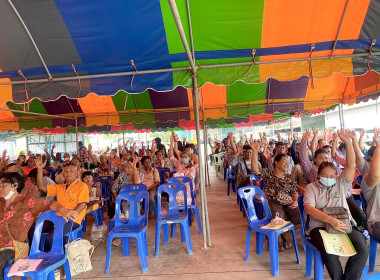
224, 261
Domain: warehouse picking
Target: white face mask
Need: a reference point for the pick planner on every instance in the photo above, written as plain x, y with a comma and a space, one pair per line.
328, 182
9, 195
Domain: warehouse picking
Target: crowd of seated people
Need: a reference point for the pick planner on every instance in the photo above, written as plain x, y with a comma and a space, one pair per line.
35, 183
325, 172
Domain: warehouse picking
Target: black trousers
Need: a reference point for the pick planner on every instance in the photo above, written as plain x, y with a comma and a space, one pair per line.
355, 263
357, 213
5, 256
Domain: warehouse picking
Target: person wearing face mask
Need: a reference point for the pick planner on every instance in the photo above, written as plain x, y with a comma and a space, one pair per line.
329, 190
310, 169
280, 190
371, 190
18, 214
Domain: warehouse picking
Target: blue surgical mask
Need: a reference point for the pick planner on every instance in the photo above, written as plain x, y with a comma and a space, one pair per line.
185, 160
328, 182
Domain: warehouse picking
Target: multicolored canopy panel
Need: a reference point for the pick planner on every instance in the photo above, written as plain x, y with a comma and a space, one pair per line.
97, 40
239, 104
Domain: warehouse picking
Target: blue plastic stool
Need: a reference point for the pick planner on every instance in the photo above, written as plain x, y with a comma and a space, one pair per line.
56, 257
174, 215
254, 224
373, 241
136, 226
312, 251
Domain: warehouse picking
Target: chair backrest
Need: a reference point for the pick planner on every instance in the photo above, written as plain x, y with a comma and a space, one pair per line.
254, 177
134, 199
301, 209
105, 184
172, 189
59, 223
218, 158
134, 188
247, 195
184, 180
162, 171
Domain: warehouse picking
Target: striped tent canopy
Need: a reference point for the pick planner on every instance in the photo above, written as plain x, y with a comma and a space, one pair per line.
239, 104
74, 48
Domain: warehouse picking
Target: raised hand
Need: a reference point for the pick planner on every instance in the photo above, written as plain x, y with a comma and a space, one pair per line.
53, 146
135, 161
325, 131
4, 153
230, 135
362, 132
306, 135
46, 150
351, 134
343, 135
315, 131
254, 145
39, 163
376, 131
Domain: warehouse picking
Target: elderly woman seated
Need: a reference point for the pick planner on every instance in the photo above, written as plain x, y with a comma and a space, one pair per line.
329, 190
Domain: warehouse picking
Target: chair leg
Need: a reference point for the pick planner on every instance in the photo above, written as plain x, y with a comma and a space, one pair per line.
186, 229
125, 243
295, 245
197, 215
309, 261
273, 244
108, 255
84, 225
228, 186
318, 266
66, 268
259, 243
146, 244
302, 233
165, 232
51, 275
172, 233
157, 242
189, 215
372, 254
183, 237
140, 240
365, 271
247, 244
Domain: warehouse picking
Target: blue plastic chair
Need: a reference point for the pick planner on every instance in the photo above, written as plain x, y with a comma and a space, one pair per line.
193, 207
136, 226
98, 216
311, 250
162, 171
230, 181
105, 187
56, 257
373, 241
6, 270
247, 194
175, 215
129, 188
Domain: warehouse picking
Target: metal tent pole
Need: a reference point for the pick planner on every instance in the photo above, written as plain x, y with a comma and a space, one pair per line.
340, 27
76, 134
205, 142
177, 19
105, 75
341, 116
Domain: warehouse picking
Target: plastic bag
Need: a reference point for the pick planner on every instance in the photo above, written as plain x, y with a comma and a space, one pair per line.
98, 233
277, 220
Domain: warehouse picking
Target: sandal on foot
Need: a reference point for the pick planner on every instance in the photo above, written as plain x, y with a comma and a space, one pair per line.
287, 244
281, 246
116, 241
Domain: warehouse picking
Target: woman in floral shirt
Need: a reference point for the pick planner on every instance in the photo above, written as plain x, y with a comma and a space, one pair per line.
18, 213
280, 190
